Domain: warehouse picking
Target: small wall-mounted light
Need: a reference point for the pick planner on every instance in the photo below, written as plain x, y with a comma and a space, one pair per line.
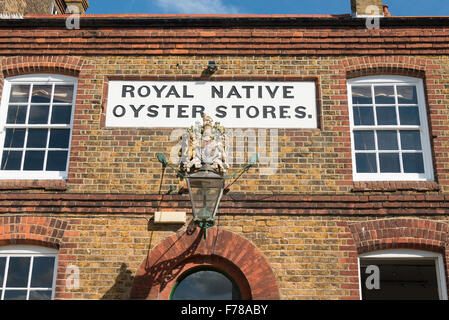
212, 66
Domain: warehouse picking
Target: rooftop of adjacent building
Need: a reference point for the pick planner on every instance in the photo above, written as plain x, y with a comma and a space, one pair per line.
42, 17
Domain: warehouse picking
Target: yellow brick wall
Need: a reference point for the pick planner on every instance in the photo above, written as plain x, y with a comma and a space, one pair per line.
305, 253
309, 160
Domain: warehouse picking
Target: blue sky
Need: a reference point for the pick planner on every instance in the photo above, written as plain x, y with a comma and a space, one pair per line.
397, 7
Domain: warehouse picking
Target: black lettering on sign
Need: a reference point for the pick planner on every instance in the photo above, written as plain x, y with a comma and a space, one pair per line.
221, 112
197, 110
234, 92
248, 90
300, 114
185, 94
159, 90
269, 110
128, 89
237, 110
288, 92
182, 112
144, 91
272, 93
252, 114
119, 111
167, 109
283, 112
217, 92
173, 92
152, 111
136, 110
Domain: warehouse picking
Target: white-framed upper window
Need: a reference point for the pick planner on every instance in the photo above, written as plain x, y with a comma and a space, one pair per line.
389, 130
402, 274
27, 273
36, 117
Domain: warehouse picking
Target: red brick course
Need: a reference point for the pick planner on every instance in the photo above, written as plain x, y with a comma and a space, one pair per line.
227, 41
289, 205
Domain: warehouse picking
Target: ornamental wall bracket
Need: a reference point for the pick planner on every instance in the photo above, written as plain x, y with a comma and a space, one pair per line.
204, 144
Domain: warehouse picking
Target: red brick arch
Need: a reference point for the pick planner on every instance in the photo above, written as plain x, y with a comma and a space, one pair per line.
41, 231
389, 65
406, 233
13, 66
223, 250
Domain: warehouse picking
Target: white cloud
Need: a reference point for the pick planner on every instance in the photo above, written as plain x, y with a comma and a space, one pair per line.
196, 6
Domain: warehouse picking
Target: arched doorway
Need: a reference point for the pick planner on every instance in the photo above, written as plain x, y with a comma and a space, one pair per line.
225, 252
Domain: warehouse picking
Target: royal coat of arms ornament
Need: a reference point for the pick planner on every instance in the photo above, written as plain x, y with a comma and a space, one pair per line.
204, 144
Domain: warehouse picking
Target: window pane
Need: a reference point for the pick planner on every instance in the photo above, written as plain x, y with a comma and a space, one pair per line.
413, 162
407, 95
12, 160
63, 94
15, 138
18, 272
384, 94
37, 138
206, 285
366, 162
387, 140
364, 140
2, 270
34, 160
40, 295
19, 93
57, 161
389, 162
16, 114
386, 115
361, 95
59, 138
409, 116
411, 140
41, 94
61, 114
39, 114
400, 279
15, 295
42, 276
363, 116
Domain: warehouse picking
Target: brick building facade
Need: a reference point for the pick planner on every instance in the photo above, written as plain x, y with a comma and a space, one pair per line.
296, 233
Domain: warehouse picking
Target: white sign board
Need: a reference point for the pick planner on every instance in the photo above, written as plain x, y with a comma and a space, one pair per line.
235, 104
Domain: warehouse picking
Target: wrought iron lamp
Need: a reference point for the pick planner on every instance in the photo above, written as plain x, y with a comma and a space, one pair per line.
205, 190
206, 162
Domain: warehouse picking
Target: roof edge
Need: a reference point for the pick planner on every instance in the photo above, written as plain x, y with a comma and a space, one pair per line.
220, 21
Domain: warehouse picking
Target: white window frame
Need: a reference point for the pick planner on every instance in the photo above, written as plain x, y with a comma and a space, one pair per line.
410, 254
36, 79
428, 174
28, 251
